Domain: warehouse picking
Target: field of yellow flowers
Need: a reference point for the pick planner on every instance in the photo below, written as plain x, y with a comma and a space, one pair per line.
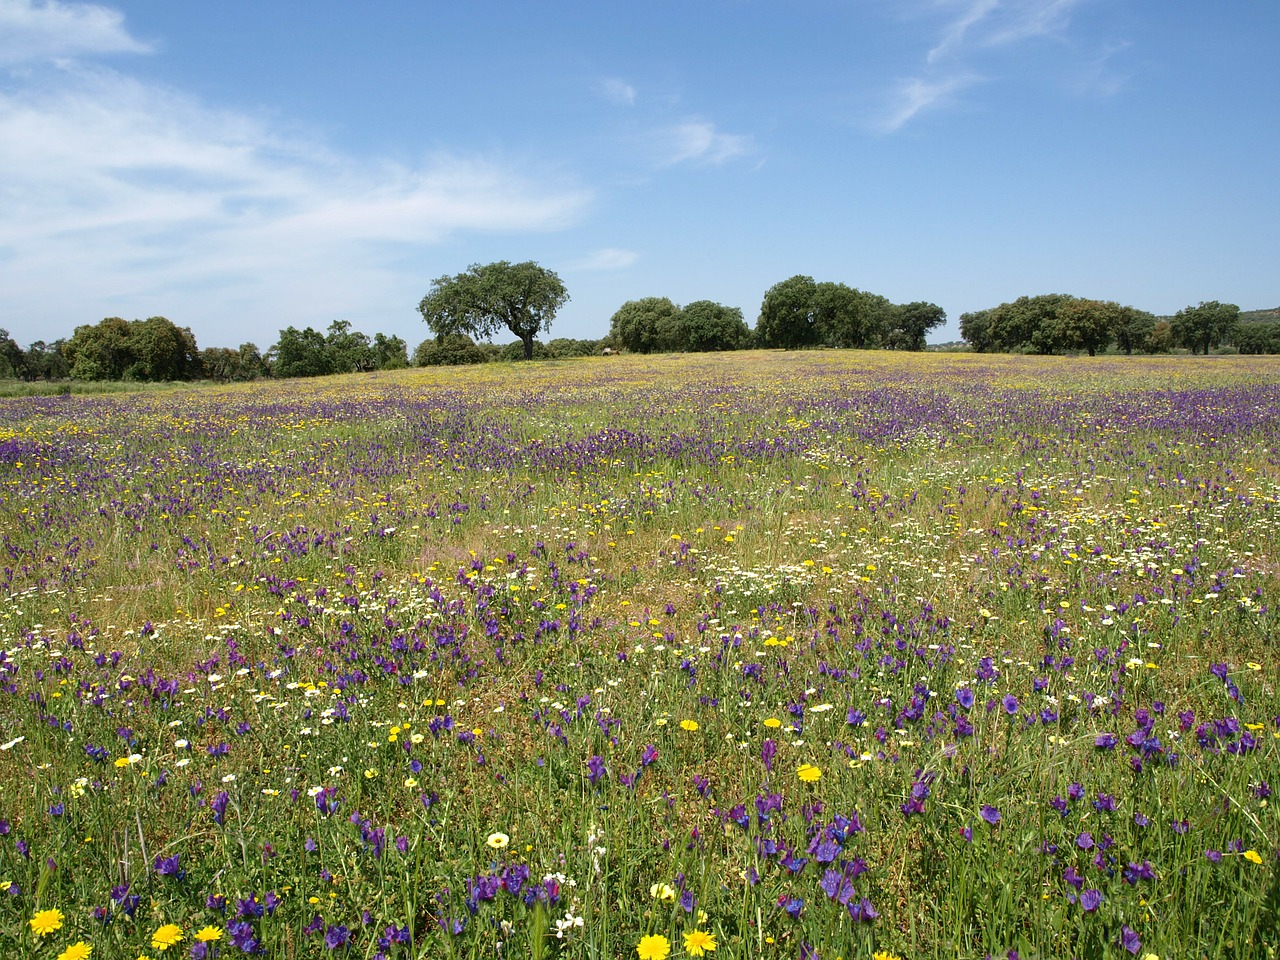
817, 655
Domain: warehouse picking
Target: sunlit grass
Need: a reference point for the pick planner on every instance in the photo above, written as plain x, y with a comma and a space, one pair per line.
820, 654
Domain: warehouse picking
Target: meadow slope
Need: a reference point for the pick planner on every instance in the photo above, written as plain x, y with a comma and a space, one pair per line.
817, 655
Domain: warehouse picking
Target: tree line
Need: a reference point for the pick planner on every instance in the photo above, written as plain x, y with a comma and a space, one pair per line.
1059, 323
158, 350
523, 298
798, 312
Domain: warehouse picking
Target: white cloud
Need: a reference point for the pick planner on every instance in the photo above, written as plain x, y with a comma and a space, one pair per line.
32, 31
155, 202
973, 28
606, 258
698, 141
917, 94
975, 11
617, 92
1026, 19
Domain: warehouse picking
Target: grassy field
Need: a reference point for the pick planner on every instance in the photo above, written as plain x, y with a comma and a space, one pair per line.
819, 655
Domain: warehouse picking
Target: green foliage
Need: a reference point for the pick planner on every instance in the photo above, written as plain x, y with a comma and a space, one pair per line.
522, 297
801, 313
47, 361
1256, 338
910, 323
350, 350
100, 351
1134, 329
658, 324
519, 350
788, 314
301, 353
709, 326
147, 350
389, 353
1204, 326
846, 317
1087, 325
563, 347
162, 351
226, 365
1260, 316
448, 350
1057, 322
643, 326
975, 327
1028, 324
13, 362
1160, 339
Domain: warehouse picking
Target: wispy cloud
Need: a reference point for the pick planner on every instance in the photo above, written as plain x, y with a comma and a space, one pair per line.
953, 36
606, 258
1021, 20
918, 94
33, 32
616, 91
152, 195
698, 142
972, 28
1099, 77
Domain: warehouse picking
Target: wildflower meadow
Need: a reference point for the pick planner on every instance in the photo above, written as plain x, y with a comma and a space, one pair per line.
814, 655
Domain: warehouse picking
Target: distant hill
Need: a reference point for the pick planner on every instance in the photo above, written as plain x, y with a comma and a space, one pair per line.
1260, 316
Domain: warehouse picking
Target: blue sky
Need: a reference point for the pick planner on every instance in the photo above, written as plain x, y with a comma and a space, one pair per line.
243, 166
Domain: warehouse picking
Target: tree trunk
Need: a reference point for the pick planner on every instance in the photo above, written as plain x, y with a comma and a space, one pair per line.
528, 346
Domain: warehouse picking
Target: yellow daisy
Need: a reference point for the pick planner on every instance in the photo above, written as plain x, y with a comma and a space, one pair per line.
46, 921
699, 942
170, 935
653, 947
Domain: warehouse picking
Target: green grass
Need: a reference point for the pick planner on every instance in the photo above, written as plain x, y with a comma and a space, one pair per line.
369, 648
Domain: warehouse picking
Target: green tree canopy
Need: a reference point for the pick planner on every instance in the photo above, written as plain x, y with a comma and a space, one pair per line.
448, 350
48, 361
301, 353
349, 350
641, 326
225, 364
522, 297
1133, 328
787, 317
389, 353
713, 326
1028, 323
975, 328
910, 323
101, 351
118, 349
13, 361
846, 317
161, 350
1087, 325
1204, 326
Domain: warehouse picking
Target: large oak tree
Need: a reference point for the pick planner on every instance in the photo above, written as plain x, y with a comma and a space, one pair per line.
522, 297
